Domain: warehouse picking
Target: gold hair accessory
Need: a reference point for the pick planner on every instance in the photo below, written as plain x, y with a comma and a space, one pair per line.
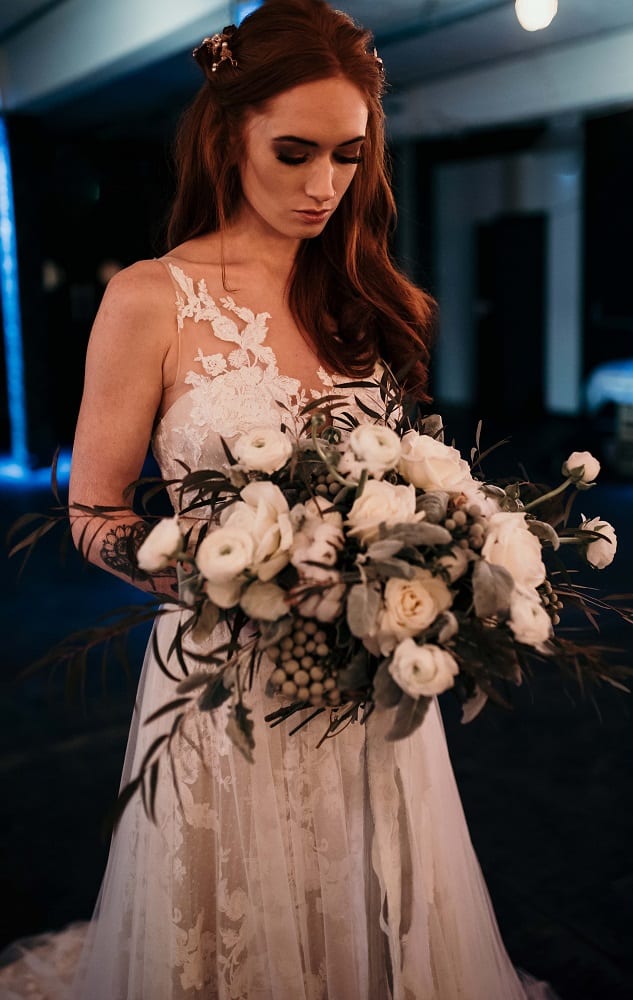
379, 63
217, 46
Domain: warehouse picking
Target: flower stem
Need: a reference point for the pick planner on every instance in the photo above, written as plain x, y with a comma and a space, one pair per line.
550, 495
325, 458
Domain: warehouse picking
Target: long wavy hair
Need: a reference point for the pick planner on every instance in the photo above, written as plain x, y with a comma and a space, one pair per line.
344, 290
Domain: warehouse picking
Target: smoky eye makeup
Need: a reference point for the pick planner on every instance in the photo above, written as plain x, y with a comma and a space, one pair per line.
296, 156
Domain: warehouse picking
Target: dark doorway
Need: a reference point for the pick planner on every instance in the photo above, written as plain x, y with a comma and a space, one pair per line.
511, 315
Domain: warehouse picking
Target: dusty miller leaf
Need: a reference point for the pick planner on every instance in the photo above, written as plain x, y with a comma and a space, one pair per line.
363, 604
492, 589
410, 714
545, 532
386, 691
239, 730
355, 675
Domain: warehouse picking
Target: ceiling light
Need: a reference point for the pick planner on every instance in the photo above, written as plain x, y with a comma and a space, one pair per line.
533, 15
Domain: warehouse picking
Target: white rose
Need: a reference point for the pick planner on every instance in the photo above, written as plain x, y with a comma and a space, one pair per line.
455, 563
263, 514
600, 552
510, 543
380, 503
162, 544
475, 496
432, 465
224, 554
529, 620
582, 460
410, 606
422, 670
370, 447
264, 601
263, 449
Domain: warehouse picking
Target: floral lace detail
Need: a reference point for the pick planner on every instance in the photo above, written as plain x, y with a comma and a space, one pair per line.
229, 394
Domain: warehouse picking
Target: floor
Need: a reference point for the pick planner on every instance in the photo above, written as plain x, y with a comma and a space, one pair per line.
546, 787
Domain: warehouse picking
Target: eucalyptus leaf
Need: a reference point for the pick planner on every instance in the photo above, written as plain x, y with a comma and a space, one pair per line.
474, 705
410, 714
239, 729
421, 533
363, 604
214, 695
206, 622
545, 532
386, 691
388, 568
384, 549
355, 675
432, 426
492, 589
434, 505
449, 626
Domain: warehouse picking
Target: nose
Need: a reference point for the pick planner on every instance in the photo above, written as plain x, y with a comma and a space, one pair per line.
320, 182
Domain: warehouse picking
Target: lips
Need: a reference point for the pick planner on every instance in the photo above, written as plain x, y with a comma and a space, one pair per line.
309, 215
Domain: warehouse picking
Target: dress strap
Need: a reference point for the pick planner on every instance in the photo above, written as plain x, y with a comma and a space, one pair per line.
165, 261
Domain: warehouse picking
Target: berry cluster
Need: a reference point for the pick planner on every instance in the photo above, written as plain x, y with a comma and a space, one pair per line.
302, 671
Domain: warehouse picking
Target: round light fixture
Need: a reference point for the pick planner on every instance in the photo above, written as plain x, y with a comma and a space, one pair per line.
534, 15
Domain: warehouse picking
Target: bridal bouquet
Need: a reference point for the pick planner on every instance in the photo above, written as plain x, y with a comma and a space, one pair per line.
366, 564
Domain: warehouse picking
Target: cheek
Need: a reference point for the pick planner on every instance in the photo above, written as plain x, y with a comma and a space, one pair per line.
344, 180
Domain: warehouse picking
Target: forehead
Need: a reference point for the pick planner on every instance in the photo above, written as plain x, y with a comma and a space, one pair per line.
325, 111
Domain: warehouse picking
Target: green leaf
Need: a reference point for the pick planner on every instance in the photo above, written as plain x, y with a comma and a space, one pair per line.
363, 605
410, 714
170, 706
385, 548
421, 533
239, 729
355, 675
214, 695
386, 691
492, 590
544, 532
389, 568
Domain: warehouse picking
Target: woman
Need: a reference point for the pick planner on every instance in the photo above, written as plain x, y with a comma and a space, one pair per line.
344, 872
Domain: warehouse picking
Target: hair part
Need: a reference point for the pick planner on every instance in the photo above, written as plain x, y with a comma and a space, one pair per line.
372, 311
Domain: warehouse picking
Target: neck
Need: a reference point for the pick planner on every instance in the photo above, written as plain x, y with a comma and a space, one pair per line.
249, 237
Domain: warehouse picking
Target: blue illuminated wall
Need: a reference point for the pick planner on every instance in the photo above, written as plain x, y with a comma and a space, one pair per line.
10, 297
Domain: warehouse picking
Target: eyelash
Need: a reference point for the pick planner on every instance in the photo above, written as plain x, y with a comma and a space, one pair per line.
295, 161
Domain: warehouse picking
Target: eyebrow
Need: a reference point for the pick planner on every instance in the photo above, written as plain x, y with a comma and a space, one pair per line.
309, 142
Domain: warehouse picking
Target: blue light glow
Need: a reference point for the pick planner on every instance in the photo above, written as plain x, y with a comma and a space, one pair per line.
14, 474
10, 295
242, 10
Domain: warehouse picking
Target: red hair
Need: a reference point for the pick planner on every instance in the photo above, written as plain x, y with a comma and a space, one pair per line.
344, 289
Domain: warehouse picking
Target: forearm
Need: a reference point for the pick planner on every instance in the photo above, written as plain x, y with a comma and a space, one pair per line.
112, 541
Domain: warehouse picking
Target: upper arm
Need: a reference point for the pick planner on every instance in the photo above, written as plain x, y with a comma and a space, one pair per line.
123, 384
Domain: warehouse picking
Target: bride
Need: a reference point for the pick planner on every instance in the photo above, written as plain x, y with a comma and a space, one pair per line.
339, 873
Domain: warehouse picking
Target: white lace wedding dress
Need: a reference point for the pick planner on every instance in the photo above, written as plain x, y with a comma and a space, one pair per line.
339, 873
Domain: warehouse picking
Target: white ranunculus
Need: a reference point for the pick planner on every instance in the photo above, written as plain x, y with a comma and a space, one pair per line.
510, 543
162, 544
529, 620
370, 447
582, 460
455, 563
263, 514
600, 552
410, 606
264, 601
422, 670
380, 503
224, 554
263, 449
431, 465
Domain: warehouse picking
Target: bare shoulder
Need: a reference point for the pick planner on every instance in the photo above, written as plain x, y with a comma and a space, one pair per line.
138, 309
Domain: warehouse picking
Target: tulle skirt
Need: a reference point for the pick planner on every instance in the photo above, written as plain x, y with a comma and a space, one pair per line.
342, 872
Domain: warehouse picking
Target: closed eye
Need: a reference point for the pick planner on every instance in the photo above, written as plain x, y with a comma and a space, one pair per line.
295, 161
